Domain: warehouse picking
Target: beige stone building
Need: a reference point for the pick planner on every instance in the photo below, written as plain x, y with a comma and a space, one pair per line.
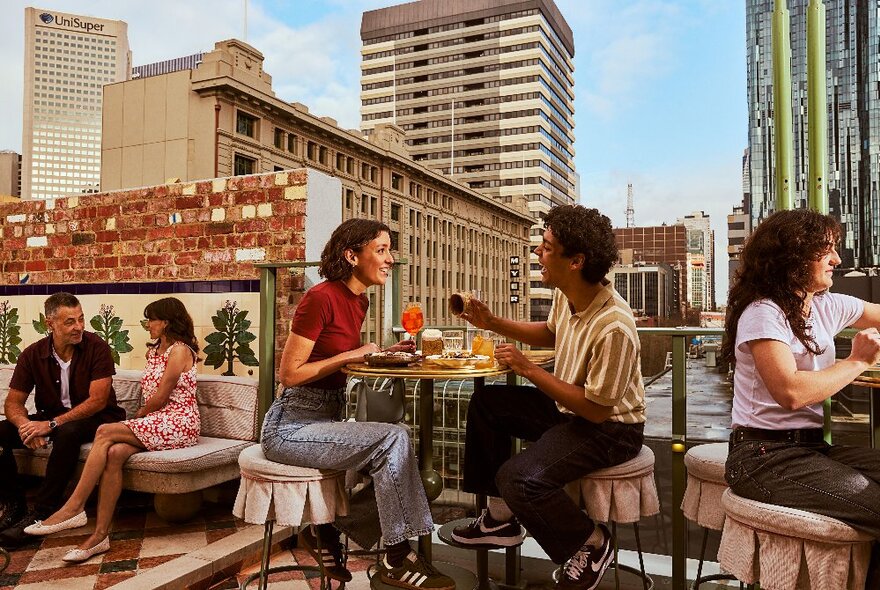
10, 173
485, 91
223, 119
67, 59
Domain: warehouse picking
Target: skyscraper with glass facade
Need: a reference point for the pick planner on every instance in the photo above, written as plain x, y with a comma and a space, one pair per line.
68, 59
852, 78
485, 92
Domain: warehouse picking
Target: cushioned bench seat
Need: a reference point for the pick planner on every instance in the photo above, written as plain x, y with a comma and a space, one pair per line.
228, 411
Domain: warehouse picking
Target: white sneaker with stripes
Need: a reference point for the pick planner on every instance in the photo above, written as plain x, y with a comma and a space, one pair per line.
414, 573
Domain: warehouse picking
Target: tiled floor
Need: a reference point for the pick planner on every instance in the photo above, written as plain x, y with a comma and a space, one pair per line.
140, 540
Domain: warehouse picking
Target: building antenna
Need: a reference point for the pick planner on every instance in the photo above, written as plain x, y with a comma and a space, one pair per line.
245, 19
630, 211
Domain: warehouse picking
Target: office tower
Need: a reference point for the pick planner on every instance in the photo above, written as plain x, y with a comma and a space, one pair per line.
188, 62
654, 245
647, 289
701, 269
10, 173
739, 222
484, 91
852, 29
67, 61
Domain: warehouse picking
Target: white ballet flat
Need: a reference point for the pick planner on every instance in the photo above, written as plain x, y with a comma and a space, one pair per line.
78, 555
40, 529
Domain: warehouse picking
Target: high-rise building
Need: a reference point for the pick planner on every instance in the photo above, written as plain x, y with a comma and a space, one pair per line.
739, 222
67, 60
701, 269
484, 90
659, 244
647, 288
10, 173
851, 33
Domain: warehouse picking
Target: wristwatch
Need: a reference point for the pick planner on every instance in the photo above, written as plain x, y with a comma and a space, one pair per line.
53, 424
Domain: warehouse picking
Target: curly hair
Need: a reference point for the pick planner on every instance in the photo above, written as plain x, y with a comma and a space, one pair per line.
353, 234
580, 230
180, 325
775, 265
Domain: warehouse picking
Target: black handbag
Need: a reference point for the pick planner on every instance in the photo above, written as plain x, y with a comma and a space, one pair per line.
379, 405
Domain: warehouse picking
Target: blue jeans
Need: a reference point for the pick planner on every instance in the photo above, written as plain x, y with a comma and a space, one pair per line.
565, 447
839, 481
303, 427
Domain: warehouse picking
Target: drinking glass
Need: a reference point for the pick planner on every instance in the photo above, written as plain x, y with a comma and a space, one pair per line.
412, 319
453, 340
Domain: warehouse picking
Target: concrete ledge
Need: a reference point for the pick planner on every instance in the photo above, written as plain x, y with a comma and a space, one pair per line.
200, 565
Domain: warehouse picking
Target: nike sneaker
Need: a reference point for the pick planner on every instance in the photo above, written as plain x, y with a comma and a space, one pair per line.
485, 530
585, 569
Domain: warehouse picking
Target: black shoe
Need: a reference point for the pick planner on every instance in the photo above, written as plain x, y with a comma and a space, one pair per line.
485, 530
13, 511
330, 555
585, 569
14, 535
414, 574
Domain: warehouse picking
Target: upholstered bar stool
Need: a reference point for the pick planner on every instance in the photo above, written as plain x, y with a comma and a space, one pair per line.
623, 494
702, 497
289, 496
788, 549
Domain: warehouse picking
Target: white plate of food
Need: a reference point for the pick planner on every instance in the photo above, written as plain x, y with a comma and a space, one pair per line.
391, 359
456, 360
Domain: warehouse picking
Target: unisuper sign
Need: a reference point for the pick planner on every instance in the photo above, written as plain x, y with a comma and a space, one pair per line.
71, 22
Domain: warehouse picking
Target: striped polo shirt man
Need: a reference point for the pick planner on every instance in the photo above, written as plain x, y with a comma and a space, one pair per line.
598, 348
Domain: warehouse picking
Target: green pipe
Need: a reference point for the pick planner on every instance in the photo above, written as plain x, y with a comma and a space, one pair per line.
817, 103
782, 107
266, 387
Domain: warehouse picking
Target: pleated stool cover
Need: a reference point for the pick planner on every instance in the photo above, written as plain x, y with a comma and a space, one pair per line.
623, 493
288, 494
705, 485
788, 549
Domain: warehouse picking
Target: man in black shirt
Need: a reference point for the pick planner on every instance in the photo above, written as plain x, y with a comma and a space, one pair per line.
70, 372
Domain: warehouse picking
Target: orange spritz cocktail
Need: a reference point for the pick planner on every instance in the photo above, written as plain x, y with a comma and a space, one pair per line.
412, 319
484, 344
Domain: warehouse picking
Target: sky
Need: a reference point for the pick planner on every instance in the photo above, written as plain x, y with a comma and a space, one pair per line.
660, 89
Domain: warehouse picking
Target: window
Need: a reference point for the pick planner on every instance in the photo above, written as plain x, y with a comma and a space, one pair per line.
246, 124
395, 212
312, 151
340, 162
396, 181
279, 138
291, 143
244, 165
349, 197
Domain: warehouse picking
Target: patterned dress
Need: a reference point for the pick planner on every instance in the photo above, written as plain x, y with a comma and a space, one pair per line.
177, 424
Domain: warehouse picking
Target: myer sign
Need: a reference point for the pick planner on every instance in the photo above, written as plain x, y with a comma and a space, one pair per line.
71, 22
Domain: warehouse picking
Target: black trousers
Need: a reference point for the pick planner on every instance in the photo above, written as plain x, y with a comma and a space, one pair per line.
62, 463
839, 481
564, 448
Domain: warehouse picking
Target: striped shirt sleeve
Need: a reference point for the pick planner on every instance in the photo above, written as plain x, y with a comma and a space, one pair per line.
609, 374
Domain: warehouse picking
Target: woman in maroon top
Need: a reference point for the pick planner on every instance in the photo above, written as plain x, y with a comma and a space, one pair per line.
306, 427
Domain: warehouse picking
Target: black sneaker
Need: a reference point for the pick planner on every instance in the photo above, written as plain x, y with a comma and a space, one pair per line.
585, 569
13, 511
485, 530
330, 554
414, 573
14, 535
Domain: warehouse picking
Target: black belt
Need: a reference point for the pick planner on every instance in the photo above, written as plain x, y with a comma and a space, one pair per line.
802, 435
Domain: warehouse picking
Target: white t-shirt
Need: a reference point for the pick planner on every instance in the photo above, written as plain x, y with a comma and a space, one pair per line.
65, 379
753, 406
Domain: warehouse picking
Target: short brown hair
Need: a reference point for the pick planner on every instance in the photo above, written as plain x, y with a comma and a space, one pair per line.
353, 234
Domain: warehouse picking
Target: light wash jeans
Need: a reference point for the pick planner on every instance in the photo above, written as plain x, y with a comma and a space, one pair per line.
304, 428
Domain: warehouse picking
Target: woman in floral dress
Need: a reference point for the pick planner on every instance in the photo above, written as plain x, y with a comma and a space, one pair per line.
169, 419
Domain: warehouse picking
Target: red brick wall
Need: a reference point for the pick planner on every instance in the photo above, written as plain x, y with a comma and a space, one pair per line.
207, 230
